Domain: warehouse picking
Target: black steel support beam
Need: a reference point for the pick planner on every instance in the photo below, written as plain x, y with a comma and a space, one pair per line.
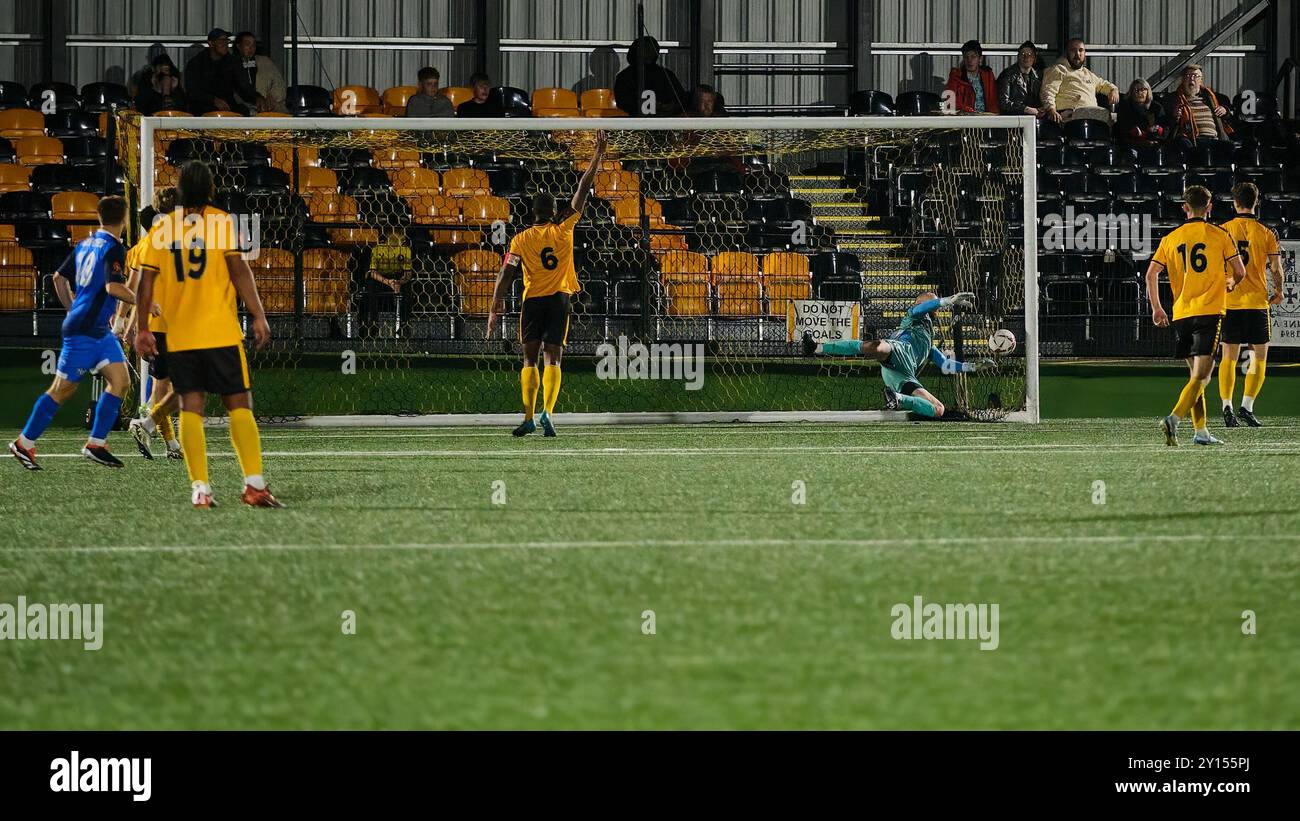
490, 20
703, 33
862, 29
57, 25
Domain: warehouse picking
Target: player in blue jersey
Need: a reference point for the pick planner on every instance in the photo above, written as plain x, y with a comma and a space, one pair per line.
904, 353
89, 284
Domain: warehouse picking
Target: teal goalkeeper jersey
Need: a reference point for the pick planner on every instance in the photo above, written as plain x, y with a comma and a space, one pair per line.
917, 334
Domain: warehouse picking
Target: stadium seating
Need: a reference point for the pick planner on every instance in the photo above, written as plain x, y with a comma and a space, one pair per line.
356, 101
17, 123
457, 94
394, 99
17, 277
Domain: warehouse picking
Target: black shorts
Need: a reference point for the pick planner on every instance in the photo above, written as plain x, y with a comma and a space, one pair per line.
1197, 335
158, 365
1246, 326
545, 318
222, 371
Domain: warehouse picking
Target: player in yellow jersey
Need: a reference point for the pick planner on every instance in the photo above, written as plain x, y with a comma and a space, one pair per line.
162, 401
1247, 321
1203, 264
544, 252
193, 270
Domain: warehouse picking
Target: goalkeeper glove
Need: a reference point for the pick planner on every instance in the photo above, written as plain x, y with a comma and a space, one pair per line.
964, 299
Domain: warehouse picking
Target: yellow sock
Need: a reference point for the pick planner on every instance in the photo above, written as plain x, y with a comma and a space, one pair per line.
550, 387
1254, 382
1227, 380
528, 381
195, 445
163, 421
248, 443
1198, 412
1187, 398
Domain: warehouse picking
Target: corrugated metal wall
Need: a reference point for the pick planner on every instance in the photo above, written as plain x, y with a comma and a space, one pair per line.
111, 39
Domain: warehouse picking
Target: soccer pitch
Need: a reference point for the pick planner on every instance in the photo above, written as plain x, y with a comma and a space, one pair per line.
772, 601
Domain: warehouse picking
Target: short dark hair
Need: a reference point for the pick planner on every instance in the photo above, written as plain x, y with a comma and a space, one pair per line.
1028, 44
1197, 198
241, 35
112, 211
195, 185
428, 73
1072, 41
1245, 194
972, 45
479, 77
543, 207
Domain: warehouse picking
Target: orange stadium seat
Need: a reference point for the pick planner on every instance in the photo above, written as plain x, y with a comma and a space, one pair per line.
273, 271
556, 112
686, 294
606, 164
457, 94
735, 264
554, 98
272, 114
739, 296
17, 278
312, 178
785, 264
456, 237
16, 123
434, 209
39, 151
785, 277
395, 99
414, 181
223, 114
325, 279
597, 98
282, 157
603, 112
627, 211
66, 206
329, 206
684, 262
615, 185
354, 101
465, 182
172, 112
14, 177
485, 209
391, 158
476, 274
7, 234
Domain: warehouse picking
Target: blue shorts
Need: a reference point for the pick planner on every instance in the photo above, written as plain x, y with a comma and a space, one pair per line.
87, 354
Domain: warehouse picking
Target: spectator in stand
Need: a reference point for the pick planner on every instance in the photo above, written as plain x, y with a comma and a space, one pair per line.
1198, 115
972, 82
388, 278
707, 102
215, 80
477, 106
428, 102
1070, 88
1141, 120
1020, 85
160, 88
259, 73
668, 98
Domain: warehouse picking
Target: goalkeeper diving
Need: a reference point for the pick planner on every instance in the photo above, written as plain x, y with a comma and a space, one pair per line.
904, 353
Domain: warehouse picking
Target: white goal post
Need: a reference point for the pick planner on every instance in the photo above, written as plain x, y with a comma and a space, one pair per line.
150, 125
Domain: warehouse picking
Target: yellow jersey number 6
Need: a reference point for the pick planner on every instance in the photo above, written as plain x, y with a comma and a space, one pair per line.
198, 260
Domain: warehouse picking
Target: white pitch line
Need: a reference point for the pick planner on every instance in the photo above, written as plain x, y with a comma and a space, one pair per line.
633, 543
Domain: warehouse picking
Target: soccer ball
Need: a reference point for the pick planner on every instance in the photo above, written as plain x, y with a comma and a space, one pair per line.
1002, 341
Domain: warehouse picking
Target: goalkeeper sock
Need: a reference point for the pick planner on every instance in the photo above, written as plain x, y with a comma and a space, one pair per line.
42, 414
528, 382
550, 387
842, 347
916, 404
1254, 383
195, 444
248, 446
1227, 382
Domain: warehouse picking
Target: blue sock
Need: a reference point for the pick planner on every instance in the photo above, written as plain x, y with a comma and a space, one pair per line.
106, 411
42, 414
842, 347
916, 404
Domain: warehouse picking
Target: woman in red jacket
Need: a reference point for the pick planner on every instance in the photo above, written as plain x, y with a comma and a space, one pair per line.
972, 83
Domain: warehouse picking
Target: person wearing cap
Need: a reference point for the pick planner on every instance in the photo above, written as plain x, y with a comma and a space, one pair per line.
1020, 85
972, 82
214, 80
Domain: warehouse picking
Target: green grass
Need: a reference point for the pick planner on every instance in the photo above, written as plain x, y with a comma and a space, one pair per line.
768, 614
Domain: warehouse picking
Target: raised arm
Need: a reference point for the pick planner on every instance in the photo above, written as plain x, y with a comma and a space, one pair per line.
964, 298
584, 185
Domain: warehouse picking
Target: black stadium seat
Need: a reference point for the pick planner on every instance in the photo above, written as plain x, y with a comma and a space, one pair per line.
1086, 131
65, 97
309, 101
12, 95
837, 275
89, 150
7, 153
99, 97
51, 179
362, 180
17, 206
915, 103
870, 102
506, 101
71, 123
260, 179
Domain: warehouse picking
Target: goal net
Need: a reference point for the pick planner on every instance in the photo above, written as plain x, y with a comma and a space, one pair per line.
706, 249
